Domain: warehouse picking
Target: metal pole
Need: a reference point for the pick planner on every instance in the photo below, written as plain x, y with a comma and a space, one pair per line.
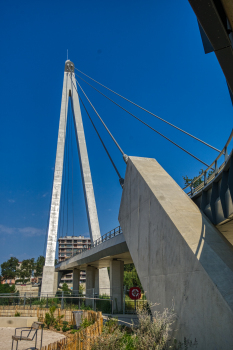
62, 300
124, 293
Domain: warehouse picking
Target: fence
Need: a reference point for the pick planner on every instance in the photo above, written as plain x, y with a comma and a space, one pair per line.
83, 339
67, 302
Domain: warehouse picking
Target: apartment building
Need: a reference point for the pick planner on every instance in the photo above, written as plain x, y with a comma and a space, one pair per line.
67, 246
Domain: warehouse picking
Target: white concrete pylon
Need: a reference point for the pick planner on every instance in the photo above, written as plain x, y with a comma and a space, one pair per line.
69, 91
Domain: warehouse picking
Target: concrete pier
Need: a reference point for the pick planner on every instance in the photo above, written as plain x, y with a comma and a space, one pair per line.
179, 255
76, 279
116, 284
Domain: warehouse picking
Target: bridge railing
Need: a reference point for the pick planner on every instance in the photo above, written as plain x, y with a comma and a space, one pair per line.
113, 233
214, 168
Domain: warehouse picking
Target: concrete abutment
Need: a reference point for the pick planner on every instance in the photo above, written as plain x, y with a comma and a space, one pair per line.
178, 254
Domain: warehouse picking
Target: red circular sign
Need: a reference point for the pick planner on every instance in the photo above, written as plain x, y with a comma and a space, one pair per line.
135, 293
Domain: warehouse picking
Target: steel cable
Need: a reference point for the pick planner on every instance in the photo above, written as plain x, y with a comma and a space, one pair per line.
116, 143
121, 180
145, 110
144, 123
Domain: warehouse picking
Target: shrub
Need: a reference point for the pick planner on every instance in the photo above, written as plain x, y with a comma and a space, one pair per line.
49, 317
17, 314
65, 326
83, 307
153, 332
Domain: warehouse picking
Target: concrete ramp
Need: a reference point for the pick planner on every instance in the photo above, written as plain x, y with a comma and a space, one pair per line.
178, 254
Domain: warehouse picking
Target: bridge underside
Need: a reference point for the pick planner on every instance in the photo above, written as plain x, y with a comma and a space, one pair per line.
99, 256
178, 253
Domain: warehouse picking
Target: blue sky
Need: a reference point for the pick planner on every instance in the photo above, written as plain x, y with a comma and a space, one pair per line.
149, 51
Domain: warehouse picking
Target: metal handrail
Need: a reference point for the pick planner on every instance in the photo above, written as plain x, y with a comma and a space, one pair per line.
115, 232
213, 164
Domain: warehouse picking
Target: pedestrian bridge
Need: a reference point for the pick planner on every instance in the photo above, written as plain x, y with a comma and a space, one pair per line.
111, 246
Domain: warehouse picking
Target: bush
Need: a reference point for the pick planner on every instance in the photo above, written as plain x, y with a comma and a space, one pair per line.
153, 332
49, 317
65, 326
17, 314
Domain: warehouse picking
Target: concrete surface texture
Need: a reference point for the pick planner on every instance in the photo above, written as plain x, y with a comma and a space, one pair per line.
116, 284
6, 339
17, 321
28, 288
178, 254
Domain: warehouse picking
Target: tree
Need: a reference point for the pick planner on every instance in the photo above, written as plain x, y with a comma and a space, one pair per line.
188, 181
9, 268
131, 278
26, 268
39, 266
65, 288
6, 288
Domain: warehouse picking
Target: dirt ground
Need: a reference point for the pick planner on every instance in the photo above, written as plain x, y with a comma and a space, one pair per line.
6, 339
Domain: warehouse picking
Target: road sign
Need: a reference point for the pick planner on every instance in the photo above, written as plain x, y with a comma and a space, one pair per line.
135, 293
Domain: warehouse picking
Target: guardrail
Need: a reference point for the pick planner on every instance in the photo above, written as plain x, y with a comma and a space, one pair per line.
213, 166
113, 233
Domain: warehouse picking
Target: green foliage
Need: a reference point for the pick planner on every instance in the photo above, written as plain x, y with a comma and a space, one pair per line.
6, 288
74, 331
104, 305
49, 317
131, 278
65, 326
9, 268
17, 314
39, 266
81, 288
151, 333
26, 268
85, 323
188, 181
65, 288
22, 281
83, 307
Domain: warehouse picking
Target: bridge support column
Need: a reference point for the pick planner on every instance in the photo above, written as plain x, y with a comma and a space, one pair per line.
90, 283
116, 284
76, 280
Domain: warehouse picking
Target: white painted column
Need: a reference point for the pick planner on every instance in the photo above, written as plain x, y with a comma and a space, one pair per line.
116, 284
48, 270
91, 209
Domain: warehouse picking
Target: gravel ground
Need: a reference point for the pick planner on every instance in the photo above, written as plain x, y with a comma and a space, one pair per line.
6, 339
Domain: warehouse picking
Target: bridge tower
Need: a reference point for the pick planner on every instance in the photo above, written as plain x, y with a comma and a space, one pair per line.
49, 279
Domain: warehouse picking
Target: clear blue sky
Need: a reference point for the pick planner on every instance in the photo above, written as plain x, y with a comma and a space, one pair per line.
150, 52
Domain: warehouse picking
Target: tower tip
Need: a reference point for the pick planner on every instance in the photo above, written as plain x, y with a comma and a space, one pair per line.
69, 66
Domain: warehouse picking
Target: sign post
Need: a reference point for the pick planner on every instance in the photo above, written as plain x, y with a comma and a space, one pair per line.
134, 294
